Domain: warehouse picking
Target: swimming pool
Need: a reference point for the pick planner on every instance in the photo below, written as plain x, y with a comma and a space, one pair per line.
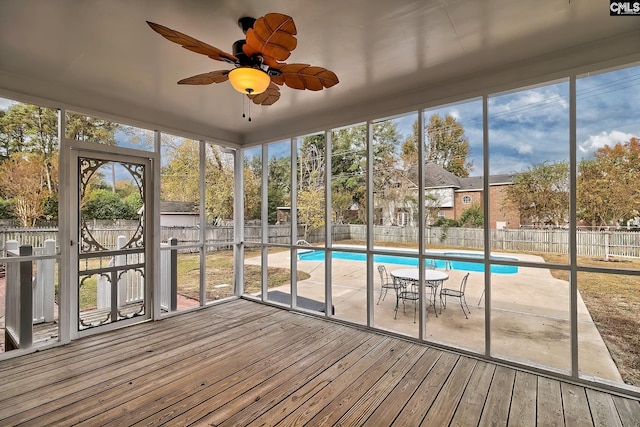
405, 260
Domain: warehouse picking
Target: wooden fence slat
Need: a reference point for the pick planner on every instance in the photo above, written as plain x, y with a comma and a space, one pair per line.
617, 243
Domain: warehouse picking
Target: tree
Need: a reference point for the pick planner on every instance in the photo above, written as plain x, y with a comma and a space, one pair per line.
310, 210
253, 188
348, 172
349, 167
608, 191
104, 204
278, 186
542, 193
445, 145
219, 186
6, 209
22, 179
472, 217
14, 130
311, 184
181, 176
90, 129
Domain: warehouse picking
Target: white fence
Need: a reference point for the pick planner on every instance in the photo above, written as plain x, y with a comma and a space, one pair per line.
620, 243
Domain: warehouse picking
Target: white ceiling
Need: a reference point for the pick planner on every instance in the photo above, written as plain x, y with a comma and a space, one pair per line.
100, 55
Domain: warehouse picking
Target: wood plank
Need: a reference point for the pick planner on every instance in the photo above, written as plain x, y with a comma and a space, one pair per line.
116, 390
603, 409
469, 410
93, 360
245, 363
95, 345
115, 374
158, 390
326, 394
628, 410
302, 394
261, 400
362, 395
391, 406
446, 402
237, 395
576, 407
496, 407
374, 398
523, 401
418, 405
549, 406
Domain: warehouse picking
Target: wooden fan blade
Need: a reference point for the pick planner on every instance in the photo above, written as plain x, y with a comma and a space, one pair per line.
304, 76
219, 76
268, 97
272, 36
192, 44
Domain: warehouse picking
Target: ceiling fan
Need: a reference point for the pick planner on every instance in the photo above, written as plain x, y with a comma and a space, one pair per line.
257, 60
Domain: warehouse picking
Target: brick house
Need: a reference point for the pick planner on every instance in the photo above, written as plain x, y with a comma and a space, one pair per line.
447, 196
453, 195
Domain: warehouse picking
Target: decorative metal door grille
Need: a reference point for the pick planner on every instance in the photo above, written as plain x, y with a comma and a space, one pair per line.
111, 265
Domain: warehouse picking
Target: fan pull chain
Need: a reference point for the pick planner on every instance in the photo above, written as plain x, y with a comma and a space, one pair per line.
248, 116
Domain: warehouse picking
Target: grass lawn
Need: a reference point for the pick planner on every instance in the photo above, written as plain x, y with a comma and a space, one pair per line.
219, 271
613, 300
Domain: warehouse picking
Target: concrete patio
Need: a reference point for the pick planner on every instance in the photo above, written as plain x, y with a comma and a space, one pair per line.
529, 315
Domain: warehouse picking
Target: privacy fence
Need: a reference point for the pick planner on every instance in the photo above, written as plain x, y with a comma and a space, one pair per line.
616, 243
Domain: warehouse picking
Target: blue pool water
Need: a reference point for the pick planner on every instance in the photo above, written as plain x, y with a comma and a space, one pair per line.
405, 260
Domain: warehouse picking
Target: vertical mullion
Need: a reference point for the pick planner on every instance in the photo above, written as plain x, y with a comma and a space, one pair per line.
487, 230
64, 274
369, 154
203, 225
294, 221
421, 246
264, 214
155, 282
238, 222
328, 231
573, 260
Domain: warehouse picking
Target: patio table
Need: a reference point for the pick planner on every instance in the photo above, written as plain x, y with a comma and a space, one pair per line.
433, 279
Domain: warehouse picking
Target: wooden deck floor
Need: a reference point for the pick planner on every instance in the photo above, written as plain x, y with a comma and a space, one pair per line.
244, 363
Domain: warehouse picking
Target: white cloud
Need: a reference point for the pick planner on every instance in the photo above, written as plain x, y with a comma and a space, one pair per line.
603, 138
524, 148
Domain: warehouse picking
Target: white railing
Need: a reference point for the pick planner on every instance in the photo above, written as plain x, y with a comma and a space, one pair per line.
28, 300
43, 284
169, 276
130, 282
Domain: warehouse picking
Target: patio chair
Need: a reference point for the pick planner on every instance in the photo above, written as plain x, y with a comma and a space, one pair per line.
457, 293
407, 290
386, 283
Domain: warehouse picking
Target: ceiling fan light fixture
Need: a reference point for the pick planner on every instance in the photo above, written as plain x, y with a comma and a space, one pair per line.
248, 80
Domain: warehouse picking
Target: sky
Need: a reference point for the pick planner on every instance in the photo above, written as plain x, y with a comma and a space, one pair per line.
531, 126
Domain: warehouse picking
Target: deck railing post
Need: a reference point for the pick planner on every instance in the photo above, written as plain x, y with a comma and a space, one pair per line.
19, 298
44, 297
174, 274
26, 298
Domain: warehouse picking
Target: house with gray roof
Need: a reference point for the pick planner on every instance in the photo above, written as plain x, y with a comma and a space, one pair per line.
448, 195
